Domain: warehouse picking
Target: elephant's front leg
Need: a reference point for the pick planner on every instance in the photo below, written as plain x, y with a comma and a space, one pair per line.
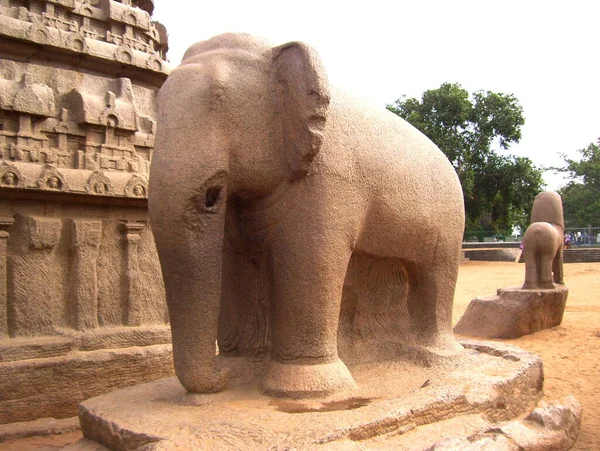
308, 262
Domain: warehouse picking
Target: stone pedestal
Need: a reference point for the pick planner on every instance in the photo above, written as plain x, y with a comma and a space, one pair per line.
513, 312
400, 405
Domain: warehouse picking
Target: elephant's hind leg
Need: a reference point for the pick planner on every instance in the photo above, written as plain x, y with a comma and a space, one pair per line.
531, 269
546, 262
430, 300
557, 267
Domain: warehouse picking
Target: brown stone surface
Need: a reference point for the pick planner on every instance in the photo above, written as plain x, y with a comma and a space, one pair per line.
39, 427
513, 312
543, 243
78, 81
494, 381
64, 381
549, 427
294, 219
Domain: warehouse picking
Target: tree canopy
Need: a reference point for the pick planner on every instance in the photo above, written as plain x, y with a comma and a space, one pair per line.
498, 190
581, 195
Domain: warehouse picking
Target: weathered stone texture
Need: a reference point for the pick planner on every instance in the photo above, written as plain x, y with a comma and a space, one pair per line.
78, 81
491, 382
513, 312
289, 218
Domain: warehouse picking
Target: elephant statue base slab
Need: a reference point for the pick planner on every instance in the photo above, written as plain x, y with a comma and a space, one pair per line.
459, 397
513, 312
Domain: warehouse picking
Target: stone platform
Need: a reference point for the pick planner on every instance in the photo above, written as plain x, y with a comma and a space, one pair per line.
513, 312
448, 400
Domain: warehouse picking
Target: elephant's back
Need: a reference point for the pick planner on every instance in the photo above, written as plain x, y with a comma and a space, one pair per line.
387, 155
542, 237
376, 141
401, 173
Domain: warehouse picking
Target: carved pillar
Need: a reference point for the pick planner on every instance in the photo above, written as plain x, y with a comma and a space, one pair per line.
85, 244
133, 301
5, 224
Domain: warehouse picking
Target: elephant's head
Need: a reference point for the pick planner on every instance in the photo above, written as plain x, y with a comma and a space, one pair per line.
246, 109
235, 120
547, 207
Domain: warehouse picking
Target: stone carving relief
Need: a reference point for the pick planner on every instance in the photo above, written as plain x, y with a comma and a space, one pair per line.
52, 180
85, 245
34, 98
10, 176
99, 184
35, 273
136, 187
63, 264
92, 131
73, 135
61, 23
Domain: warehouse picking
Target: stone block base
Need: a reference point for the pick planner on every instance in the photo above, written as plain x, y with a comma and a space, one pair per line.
411, 406
513, 312
55, 374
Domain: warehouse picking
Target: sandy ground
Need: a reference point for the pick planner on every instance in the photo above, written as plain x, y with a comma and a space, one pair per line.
570, 352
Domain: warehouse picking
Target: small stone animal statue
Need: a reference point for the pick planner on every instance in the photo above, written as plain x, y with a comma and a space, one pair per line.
543, 243
273, 197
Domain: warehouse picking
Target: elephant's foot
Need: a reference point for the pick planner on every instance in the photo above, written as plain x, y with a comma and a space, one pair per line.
209, 381
307, 381
436, 343
445, 345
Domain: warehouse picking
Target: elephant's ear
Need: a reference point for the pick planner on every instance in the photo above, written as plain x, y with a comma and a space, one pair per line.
302, 102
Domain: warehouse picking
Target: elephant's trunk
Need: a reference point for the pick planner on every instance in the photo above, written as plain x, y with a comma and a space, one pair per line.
189, 228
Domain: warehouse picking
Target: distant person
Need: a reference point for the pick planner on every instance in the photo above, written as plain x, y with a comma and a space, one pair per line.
578, 239
567, 241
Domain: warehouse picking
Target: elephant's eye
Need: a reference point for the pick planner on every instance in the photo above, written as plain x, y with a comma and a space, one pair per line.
212, 196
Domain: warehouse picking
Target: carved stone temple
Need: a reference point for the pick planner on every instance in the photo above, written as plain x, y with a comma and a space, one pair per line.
81, 294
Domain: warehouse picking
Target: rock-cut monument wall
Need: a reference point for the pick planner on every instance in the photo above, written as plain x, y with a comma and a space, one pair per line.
82, 306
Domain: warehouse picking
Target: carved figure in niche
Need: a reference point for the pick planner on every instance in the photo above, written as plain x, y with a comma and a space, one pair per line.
257, 159
54, 183
100, 188
52, 179
139, 191
136, 187
98, 183
11, 176
543, 243
10, 179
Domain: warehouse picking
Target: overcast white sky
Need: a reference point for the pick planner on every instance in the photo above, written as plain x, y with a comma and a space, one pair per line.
546, 53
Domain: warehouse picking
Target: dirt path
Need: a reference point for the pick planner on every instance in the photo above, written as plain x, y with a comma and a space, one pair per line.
570, 352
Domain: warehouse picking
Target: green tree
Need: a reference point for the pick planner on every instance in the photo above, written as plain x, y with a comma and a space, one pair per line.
581, 195
498, 190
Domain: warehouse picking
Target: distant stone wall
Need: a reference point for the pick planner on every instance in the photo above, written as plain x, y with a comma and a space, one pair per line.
82, 306
492, 255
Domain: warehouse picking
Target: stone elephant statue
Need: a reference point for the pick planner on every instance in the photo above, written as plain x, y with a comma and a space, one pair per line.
543, 243
266, 185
